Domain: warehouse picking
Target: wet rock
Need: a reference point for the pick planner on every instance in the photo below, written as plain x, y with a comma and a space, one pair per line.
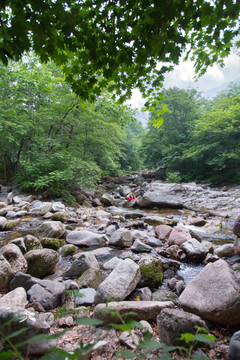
41, 262
85, 238
197, 221
15, 257
159, 220
15, 298
172, 323
195, 251
120, 283
51, 229
52, 243
68, 249
60, 216
137, 310
82, 263
121, 238
214, 295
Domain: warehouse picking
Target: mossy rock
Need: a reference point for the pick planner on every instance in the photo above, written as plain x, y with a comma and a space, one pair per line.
68, 249
52, 243
91, 278
152, 274
11, 224
60, 217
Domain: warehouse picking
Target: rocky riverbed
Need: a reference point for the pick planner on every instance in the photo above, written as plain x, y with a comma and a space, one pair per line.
167, 257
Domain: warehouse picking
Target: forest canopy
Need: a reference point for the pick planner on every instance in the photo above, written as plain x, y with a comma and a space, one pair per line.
118, 44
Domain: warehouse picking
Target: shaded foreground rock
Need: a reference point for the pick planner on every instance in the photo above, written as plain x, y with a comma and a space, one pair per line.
214, 294
143, 310
172, 323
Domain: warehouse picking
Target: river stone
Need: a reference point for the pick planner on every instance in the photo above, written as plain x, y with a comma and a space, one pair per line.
83, 262
23, 280
179, 235
234, 347
15, 257
41, 262
47, 207
162, 232
85, 238
6, 273
226, 250
107, 199
60, 216
51, 229
112, 263
159, 220
20, 242
50, 294
195, 251
4, 210
139, 246
91, 278
236, 226
120, 283
23, 318
32, 243
86, 298
164, 295
121, 238
125, 190
15, 298
214, 295
172, 323
137, 310
236, 246
3, 222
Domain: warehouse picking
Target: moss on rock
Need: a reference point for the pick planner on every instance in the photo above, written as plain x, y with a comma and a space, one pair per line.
152, 274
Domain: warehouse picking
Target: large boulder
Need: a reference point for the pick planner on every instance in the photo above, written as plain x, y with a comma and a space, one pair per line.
85, 238
214, 295
41, 262
120, 283
51, 229
15, 257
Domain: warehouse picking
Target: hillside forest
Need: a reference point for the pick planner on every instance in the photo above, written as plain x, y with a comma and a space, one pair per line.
52, 140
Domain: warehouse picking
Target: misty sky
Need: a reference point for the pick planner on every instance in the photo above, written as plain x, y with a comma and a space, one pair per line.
183, 77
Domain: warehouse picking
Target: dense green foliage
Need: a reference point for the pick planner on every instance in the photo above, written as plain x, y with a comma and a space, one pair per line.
52, 139
118, 44
199, 139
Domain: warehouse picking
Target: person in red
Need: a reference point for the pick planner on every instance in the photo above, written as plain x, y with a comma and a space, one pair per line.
130, 197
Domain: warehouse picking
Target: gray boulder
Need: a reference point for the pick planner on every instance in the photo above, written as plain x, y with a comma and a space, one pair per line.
15, 257
107, 199
179, 235
139, 246
3, 222
85, 238
120, 283
137, 310
226, 250
163, 231
15, 298
83, 262
51, 229
86, 298
195, 251
50, 294
41, 262
234, 347
6, 273
121, 238
214, 295
172, 323
35, 324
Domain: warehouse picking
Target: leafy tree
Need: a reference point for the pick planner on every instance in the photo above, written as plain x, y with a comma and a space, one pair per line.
118, 44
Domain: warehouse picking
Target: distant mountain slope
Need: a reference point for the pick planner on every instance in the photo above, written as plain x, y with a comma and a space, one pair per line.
210, 94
